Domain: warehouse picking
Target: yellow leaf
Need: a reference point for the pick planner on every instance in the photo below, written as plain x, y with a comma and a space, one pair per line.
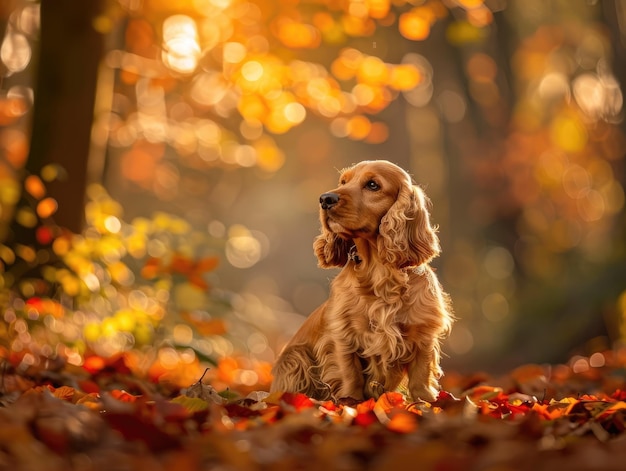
192, 404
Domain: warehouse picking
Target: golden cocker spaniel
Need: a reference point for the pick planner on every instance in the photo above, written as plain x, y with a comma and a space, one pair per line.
386, 312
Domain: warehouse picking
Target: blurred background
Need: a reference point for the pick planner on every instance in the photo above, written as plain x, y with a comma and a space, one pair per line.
161, 163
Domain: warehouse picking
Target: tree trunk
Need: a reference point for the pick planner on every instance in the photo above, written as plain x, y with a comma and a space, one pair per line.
69, 55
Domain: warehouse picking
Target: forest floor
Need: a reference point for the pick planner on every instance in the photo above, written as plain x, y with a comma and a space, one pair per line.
534, 418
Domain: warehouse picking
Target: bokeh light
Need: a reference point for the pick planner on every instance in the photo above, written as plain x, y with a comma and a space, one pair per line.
232, 114
181, 50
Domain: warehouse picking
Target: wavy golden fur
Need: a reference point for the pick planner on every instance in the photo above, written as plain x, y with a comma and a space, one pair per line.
386, 312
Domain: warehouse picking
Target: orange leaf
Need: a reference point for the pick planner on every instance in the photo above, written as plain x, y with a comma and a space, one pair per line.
197, 280
91, 401
151, 269
93, 364
123, 396
273, 398
612, 409
206, 327
403, 422
554, 410
207, 264
181, 264
64, 392
389, 401
366, 406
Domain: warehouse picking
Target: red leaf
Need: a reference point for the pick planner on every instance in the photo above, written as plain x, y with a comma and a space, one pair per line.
619, 395
114, 364
44, 235
171, 411
330, 406
135, 428
365, 419
198, 281
445, 399
297, 400
89, 386
181, 264
123, 396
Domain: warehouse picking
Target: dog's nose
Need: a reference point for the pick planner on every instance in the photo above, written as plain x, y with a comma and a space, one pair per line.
328, 200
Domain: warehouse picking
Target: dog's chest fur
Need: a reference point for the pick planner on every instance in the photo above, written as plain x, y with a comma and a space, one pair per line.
372, 324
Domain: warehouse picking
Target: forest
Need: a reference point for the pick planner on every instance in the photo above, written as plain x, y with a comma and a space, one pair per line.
160, 169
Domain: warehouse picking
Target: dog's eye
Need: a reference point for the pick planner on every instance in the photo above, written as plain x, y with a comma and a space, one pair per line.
372, 185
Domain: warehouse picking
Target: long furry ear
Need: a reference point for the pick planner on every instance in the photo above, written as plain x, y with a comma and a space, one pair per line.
406, 235
330, 249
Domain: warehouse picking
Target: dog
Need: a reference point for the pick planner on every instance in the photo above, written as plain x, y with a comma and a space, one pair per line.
386, 313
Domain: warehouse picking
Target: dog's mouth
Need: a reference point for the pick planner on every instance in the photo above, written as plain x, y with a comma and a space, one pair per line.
343, 229
337, 227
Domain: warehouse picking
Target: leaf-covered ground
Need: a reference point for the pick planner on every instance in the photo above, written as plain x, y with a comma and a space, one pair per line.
535, 418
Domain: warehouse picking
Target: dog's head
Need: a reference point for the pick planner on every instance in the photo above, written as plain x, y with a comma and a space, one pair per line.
376, 201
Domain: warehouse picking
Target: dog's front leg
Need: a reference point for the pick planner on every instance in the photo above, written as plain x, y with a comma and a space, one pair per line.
381, 377
345, 377
354, 381
424, 373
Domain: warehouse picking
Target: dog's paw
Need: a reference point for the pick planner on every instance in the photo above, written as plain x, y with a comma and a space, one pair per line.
425, 393
374, 389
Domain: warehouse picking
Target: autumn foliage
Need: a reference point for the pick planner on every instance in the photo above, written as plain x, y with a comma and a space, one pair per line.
100, 416
105, 335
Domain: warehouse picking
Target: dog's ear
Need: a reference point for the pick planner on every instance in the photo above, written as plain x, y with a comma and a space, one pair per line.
406, 235
330, 249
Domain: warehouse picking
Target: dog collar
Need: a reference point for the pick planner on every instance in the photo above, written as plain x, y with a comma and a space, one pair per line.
353, 256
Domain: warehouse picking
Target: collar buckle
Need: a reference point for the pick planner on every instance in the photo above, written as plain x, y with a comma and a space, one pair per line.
353, 255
